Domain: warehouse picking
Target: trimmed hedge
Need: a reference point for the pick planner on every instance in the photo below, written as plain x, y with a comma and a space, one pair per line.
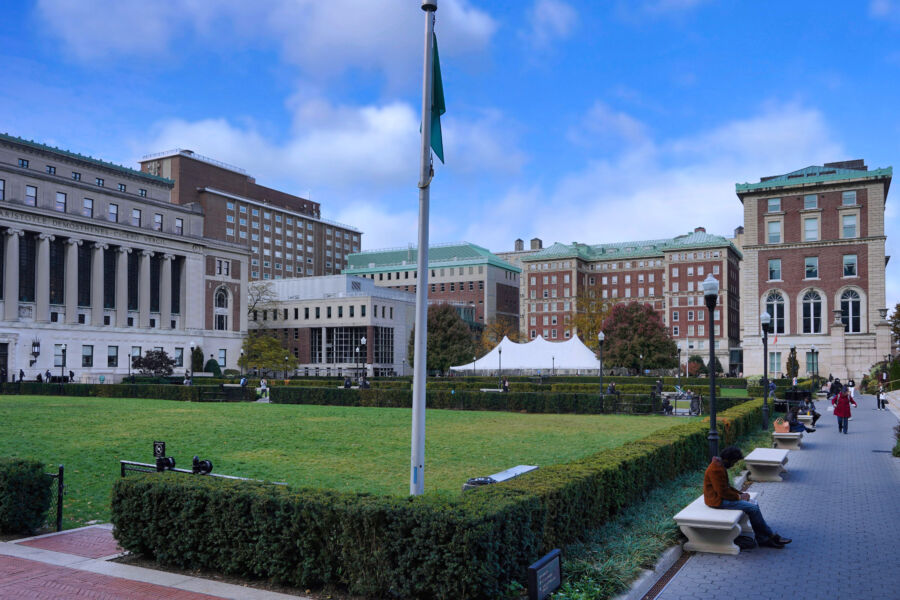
471, 546
530, 402
25, 492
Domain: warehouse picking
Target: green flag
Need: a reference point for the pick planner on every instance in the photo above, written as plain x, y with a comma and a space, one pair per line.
437, 105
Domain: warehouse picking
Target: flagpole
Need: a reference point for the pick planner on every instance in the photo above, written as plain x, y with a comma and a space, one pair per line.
417, 458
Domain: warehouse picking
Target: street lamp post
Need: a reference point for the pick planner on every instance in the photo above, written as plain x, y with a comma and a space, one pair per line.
62, 365
641, 356
814, 380
553, 369
362, 354
500, 367
678, 358
241, 363
766, 321
711, 296
285, 367
600, 338
474, 360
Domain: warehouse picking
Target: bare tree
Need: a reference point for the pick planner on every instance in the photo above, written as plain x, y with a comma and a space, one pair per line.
260, 297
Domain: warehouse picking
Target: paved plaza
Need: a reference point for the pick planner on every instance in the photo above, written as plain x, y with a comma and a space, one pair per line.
840, 502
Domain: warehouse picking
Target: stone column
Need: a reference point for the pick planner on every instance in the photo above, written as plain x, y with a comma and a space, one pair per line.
122, 286
97, 283
838, 357
42, 279
71, 293
11, 274
165, 291
144, 289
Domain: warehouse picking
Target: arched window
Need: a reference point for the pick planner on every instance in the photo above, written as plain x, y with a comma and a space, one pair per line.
775, 307
220, 309
221, 299
812, 312
850, 306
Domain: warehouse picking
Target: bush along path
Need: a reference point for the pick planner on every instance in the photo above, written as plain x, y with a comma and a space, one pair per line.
614, 555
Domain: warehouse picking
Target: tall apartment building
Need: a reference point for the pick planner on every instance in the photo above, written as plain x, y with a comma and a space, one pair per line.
323, 321
665, 274
815, 261
285, 234
461, 274
515, 259
97, 265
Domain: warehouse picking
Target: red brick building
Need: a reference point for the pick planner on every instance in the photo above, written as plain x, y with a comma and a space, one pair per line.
815, 261
285, 234
664, 274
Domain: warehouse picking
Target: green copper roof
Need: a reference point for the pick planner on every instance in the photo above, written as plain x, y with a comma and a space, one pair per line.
812, 174
630, 250
100, 163
439, 255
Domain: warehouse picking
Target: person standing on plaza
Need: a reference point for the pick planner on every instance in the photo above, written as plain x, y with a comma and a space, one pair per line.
881, 397
852, 385
841, 404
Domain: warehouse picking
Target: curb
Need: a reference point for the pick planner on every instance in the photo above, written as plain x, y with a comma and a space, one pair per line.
649, 578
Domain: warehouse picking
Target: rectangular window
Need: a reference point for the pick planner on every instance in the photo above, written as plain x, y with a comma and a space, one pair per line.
810, 201
113, 213
23, 162
222, 355
76, 176
810, 229
674, 315
327, 312
774, 269
848, 198
690, 315
136, 217
51, 170
675, 330
157, 222
774, 362
812, 267
87, 208
774, 231
179, 226
122, 187
179, 357
59, 355
2, 189
30, 195
850, 265
99, 181
87, 355
60, 202
848, 224
774, 205
112, 356
142, 193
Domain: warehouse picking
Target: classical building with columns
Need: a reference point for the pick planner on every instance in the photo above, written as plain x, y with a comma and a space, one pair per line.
814, 259
98, 265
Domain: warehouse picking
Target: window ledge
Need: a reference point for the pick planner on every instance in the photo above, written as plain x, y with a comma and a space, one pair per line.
812, 279
850, 277
774, 280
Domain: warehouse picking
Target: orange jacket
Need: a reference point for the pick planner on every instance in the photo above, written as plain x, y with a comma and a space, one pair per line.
715, 484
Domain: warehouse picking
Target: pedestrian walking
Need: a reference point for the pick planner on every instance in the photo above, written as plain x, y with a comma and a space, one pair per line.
841, 404
881, 398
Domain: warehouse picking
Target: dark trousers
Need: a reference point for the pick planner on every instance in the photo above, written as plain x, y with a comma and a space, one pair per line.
882, 403
843, 422
815, 417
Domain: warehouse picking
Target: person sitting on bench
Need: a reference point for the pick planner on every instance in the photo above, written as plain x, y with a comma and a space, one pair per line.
809, 407
667, 406
795, 424
717, 493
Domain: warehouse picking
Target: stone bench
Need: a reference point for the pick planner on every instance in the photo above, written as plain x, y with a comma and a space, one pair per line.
712, 529
766, 464
787, 441
490, 390
805, 419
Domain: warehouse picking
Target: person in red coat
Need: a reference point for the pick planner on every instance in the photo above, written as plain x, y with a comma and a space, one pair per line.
841, 404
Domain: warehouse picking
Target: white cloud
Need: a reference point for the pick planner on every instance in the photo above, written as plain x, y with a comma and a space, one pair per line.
550, 20
323, 38
603, 125
883, 8
661, 188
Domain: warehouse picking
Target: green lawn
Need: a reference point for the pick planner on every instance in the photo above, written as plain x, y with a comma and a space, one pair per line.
734, 393
341, 448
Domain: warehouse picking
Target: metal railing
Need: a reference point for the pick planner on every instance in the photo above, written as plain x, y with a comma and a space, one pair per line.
137, 467
60, 492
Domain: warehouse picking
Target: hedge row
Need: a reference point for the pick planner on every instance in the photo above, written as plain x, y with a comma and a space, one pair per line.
529, 402
192, 393
25, 492
433, 546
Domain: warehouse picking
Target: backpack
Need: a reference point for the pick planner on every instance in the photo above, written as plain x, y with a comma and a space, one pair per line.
745, 542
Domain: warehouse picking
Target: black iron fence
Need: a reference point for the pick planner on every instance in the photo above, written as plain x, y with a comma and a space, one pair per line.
56, 502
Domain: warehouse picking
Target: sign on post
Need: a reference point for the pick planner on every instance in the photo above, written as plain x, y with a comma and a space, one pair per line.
159, 449
544, 576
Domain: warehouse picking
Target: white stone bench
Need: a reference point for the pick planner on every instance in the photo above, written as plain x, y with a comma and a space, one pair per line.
490, 390
805, 419
712, 529
766, 464
787, 441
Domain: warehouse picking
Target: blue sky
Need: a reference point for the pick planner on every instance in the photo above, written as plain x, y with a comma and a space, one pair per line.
594, 121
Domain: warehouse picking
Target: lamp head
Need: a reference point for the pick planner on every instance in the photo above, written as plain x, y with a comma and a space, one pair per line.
766, 320
362, 340
710, 286
600, 337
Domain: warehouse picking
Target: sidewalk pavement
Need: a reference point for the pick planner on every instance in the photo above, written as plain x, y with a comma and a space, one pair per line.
839, 502
76, 563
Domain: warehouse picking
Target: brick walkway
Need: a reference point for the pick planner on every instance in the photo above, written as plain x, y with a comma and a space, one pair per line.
839, 502
61, 566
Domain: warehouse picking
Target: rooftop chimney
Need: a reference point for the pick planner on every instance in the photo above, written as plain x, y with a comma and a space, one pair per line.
536, 244
520, 245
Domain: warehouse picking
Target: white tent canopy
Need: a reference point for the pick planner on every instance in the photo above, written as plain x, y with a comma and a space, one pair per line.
536, 355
